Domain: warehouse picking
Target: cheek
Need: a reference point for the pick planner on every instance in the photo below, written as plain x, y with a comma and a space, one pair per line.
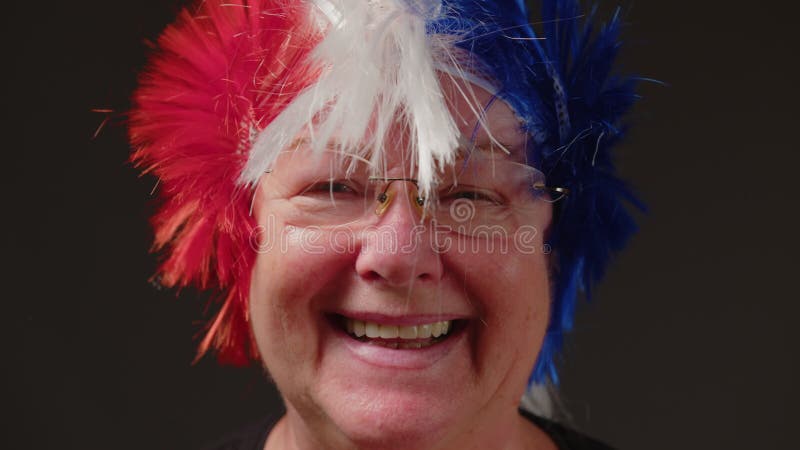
519, 298
512, 294
289, 278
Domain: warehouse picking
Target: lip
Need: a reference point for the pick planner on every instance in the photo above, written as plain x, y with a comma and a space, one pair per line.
396, 359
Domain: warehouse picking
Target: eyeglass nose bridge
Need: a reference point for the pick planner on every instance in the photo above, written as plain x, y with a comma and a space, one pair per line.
384, 198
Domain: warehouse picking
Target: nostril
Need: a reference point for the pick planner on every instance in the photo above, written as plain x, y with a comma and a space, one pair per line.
371, 276
425, 277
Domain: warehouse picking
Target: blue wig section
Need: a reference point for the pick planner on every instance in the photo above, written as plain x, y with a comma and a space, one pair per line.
497, 34
560, 83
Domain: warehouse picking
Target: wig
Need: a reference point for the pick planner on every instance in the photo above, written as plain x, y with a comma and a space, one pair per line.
233, 83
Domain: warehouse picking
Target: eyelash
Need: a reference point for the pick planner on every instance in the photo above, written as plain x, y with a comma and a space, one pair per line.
474, 195
333, 186
453, 194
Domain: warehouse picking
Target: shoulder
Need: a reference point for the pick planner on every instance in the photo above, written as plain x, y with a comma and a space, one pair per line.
250, 437
564, 438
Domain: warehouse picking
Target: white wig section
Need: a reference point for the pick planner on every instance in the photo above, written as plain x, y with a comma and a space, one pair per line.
379, 70
540, 399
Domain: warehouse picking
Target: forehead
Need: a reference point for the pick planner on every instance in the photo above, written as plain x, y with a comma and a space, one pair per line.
481, 117
485, 123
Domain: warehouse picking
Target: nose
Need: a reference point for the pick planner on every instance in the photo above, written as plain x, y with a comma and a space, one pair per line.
399, 250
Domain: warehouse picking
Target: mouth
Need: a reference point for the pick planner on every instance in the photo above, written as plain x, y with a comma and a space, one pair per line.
398, 337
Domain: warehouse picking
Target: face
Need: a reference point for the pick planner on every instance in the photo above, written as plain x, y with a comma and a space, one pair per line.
311, 293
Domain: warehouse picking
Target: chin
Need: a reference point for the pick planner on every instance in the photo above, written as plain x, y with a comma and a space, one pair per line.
394, 418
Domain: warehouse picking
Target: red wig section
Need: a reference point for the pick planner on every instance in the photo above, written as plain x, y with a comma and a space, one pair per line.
220, 73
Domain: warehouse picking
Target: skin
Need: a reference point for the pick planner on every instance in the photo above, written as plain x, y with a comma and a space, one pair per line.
468, 398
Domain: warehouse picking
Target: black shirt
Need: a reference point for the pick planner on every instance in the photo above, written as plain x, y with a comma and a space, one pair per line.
254, 437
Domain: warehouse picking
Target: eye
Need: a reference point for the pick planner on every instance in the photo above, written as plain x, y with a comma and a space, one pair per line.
471, 193
332, 187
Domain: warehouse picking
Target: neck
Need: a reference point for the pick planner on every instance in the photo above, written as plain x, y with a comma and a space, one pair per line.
506, 431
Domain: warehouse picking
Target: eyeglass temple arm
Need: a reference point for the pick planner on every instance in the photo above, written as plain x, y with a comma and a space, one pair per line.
552, 189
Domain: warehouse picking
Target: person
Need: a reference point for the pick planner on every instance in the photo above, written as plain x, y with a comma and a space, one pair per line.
398, 202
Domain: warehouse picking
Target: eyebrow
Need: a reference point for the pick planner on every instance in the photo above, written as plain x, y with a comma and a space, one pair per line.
492, 147
513, 152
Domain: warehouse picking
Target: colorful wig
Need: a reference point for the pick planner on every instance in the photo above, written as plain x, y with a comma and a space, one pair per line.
234, 82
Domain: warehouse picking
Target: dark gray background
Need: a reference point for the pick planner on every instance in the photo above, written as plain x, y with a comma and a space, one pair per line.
690, 342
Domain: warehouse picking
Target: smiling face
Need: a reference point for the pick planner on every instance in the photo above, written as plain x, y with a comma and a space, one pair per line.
347, 328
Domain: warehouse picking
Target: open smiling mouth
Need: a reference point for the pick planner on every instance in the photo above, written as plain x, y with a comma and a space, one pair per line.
398, 336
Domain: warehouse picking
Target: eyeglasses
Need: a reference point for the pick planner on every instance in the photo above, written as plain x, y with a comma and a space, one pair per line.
478, 196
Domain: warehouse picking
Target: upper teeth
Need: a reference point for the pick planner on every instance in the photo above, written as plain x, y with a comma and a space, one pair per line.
376, 330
